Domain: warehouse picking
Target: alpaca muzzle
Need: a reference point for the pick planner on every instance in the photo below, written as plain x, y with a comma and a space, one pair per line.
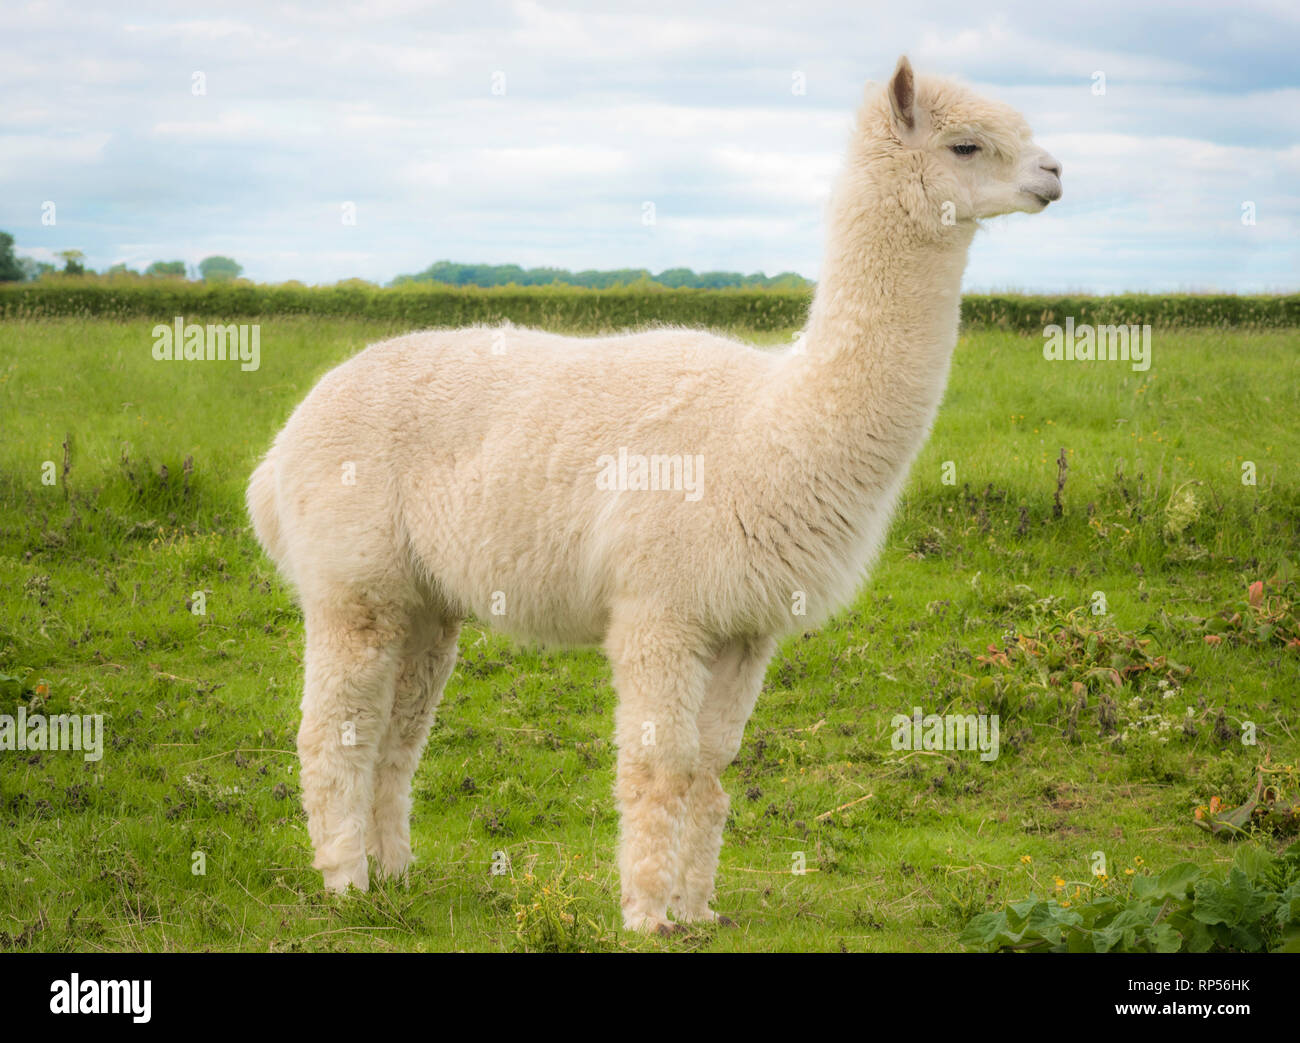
1046, 180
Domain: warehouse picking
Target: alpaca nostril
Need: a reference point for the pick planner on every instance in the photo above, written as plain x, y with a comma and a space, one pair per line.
1051, 165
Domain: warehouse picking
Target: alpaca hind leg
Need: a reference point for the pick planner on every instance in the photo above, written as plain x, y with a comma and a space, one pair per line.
660, 679
351, 664
427, 661
734, 685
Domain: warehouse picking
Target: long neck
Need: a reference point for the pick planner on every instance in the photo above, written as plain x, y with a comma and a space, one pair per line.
874, 361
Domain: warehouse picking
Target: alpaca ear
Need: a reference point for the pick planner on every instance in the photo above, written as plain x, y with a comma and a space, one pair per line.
902, 94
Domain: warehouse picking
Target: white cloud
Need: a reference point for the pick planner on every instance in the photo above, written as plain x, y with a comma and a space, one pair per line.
389, 104
50, 152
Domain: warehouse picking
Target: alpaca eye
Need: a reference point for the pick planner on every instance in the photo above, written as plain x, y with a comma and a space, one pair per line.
965, 150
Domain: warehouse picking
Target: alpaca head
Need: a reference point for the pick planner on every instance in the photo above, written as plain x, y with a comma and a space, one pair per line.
950, 156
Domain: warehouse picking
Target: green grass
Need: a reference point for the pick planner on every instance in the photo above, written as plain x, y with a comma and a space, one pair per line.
96, 574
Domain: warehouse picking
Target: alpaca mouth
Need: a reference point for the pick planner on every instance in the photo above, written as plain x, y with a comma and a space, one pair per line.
1045, 195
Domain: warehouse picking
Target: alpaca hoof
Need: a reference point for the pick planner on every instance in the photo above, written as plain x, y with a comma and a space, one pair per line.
391, 852
339, 878
392, 867
651, 925
395, 874
708, 916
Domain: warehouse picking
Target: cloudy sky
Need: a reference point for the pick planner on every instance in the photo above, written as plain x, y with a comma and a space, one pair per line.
534, 132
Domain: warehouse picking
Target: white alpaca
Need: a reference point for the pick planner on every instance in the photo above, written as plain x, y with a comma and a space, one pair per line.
452, 472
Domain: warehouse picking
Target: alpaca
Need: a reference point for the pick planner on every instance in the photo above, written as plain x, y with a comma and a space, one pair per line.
683, 498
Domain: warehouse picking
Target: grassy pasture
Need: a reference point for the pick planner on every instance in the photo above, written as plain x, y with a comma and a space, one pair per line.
99, 572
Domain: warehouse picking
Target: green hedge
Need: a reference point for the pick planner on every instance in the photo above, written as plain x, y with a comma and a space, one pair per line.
420, 306
579, 309
1160, 311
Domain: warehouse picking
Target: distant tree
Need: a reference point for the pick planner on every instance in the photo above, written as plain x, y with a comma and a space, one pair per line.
550, 277
120, 269
645, 284
619, 277
219, 269
505, 274
167, 269
34, 269
11, 270
675, 277
788, 281
451, 273
72, 262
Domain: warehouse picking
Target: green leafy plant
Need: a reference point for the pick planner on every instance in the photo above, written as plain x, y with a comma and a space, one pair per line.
1069, 650
551, 916
12, 686
1256, 908
1065, 662
1266, 616
1274, 807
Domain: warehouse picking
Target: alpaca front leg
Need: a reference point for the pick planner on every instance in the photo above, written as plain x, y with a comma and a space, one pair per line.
652, 801
351, 665
735, 680
427, 663
660, 682
707, 804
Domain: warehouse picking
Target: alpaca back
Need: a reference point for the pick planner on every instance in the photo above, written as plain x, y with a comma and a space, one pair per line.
479, 473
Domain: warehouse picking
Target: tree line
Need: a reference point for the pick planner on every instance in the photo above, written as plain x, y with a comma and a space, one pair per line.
447, 273
27, 269
451, 273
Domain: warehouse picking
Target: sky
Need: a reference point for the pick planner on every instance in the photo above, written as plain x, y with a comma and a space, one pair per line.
536, 133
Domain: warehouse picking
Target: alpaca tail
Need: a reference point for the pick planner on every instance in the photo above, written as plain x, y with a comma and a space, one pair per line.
262, 509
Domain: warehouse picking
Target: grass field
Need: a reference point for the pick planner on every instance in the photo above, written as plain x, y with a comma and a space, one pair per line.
99, 572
